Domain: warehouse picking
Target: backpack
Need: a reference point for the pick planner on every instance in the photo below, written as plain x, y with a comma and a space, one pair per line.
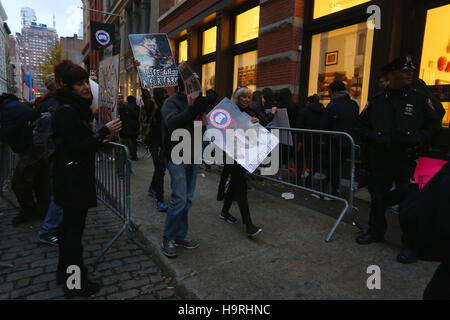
14, 124
44, 141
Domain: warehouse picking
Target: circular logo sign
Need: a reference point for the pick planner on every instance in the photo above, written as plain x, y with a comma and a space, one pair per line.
102, 37
220, 118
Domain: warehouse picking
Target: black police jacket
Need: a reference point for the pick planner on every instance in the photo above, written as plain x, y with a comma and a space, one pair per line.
398, 123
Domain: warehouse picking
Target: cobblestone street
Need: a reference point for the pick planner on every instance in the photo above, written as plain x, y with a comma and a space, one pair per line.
125, 272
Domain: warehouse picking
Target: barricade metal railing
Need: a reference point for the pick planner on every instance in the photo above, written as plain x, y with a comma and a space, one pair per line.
321, 162
112, 171
7, 164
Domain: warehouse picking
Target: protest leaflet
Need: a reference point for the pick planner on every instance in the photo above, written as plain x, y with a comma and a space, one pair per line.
191, 83
281, 120
156, 65
426, 168
108, 86
246, 142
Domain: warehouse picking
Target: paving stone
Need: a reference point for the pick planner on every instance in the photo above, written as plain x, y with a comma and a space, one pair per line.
124, 272
156, 279
24, 274
47, 295
44, 278
29, 290
130, 284
44, 262
124, 295
165, 294
23, 282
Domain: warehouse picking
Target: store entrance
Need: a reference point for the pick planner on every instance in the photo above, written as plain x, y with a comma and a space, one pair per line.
435, 58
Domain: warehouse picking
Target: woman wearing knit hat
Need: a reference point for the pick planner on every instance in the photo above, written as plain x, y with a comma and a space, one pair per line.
74, 168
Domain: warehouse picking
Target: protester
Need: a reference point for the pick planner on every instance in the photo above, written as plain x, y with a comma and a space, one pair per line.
269, 98
237, 189
341, 115
177, 114
395, 125
156, 188
145, 117
129, 114
74, 168
285, 101
309, 117
49, 231
31, 175
425, 223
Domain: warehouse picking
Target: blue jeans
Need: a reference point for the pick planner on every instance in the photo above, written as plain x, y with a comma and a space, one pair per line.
182, 180
52, 221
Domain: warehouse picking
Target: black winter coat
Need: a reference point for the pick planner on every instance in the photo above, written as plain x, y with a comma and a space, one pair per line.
397, 125
310, 117
74, 159
16, 124
129, 115
425, 218
341, 114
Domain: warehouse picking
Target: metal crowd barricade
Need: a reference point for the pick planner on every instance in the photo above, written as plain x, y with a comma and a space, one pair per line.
112, 171
7, 164
321, 162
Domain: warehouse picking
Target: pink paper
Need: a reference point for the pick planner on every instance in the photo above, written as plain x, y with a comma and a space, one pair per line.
425, 170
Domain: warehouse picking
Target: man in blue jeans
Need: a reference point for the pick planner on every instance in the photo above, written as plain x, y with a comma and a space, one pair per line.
177, 114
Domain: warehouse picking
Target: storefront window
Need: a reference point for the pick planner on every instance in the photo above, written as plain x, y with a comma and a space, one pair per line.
245, 70
247, 25
209, 41
326, 7
208, 76
342, 54
435, 64
182, 51
130, 85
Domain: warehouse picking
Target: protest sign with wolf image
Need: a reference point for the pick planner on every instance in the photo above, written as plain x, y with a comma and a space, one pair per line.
155, 62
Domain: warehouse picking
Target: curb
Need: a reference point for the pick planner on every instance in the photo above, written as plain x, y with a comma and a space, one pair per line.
183, 291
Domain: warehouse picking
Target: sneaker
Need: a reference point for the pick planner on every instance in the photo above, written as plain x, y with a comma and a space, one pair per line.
161, 206
88, 288
187, 243
253, 230
51, 239
168, 248
228, 217
395, 209
152, 193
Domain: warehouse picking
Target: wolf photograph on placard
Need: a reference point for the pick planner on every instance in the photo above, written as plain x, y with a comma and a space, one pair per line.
156, 65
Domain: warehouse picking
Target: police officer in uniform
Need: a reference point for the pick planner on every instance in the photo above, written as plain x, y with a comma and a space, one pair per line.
396, 125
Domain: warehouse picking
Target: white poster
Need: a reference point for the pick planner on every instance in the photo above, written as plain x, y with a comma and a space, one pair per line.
191, 83
108, 82
281, 120
246, 142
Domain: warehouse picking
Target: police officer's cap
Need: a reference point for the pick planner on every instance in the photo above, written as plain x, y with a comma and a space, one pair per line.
401, 64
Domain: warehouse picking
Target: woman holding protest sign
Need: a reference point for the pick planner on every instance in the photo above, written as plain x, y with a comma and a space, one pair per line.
74, 170
237, 190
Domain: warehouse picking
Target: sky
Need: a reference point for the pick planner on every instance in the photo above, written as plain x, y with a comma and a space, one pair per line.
68, 15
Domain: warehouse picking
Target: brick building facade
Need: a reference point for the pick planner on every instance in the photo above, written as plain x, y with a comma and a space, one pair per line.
252, 43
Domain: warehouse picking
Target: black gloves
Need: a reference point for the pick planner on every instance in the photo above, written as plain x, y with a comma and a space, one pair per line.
199, 106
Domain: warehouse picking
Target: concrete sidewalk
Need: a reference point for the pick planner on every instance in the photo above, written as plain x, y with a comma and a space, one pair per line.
288, 260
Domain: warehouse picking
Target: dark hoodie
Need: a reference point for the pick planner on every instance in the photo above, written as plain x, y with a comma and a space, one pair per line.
341, 114
310, 117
